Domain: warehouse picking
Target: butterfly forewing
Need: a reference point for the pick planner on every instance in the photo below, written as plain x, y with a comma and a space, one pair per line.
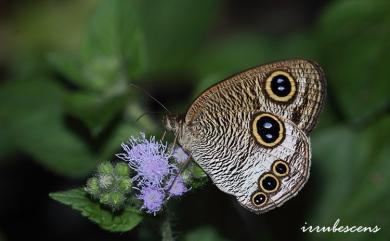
252, 90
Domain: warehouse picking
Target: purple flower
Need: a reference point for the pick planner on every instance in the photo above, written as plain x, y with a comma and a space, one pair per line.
156, 177
149, 159
178, 187
179, 155
153, 199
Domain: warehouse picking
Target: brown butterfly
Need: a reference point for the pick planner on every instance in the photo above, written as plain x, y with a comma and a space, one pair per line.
249, 132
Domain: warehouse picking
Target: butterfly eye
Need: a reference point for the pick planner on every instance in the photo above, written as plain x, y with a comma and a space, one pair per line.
280, 168
267, 129
280, 86
269, 183
259, 199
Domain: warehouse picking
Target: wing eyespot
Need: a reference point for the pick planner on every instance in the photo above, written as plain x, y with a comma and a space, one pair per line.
269, 183
267, 129
280, 86
280, 168
259, 199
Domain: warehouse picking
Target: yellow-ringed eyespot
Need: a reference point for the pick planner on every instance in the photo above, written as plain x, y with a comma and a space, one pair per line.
259, 199
267, 129
269, 183
280, 86
280, 168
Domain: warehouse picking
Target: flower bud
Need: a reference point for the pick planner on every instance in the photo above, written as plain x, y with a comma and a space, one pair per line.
122, 169
124, 185
116, 199
105, 198
111, 184
105, 168
92, 186
105, 181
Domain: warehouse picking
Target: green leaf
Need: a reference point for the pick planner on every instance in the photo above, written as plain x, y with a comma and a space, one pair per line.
94, 110
114, 33
355, 39
204, 234
356, 182
46, 26
32, 122
126, 128
112, 53
68, 65
120, 134
79, 200
173, 31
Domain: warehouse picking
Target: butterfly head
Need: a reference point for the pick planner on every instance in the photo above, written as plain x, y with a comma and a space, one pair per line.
172, 123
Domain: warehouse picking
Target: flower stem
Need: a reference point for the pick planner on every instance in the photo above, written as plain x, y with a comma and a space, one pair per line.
166, 230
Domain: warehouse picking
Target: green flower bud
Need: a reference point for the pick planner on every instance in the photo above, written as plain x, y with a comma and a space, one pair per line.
92, 186
105, 168
111, 184
116, 199
122, 169
124, 185
105, 198
105, 181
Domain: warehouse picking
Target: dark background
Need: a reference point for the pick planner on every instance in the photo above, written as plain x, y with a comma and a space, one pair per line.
52, 120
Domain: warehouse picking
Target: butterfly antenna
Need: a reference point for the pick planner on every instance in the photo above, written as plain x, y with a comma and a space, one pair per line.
148, 94
147, 113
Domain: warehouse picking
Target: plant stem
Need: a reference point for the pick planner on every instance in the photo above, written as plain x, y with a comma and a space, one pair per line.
166, 231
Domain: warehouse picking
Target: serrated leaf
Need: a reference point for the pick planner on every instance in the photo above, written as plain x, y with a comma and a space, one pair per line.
32, 122
79, 200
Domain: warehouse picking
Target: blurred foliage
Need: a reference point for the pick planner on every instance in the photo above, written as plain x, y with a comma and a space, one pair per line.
357, 189
68, 101
204, 234
357, 35
32, 122
169, 40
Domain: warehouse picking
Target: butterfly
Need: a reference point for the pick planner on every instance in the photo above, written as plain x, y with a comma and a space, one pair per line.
249, 132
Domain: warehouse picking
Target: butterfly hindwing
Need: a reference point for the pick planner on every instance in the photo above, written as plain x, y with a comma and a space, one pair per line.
235, 160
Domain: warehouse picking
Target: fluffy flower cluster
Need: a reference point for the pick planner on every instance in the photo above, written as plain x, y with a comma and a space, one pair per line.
157, 177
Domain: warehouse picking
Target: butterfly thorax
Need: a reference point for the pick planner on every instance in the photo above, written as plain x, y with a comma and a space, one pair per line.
173, 122
176, 124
